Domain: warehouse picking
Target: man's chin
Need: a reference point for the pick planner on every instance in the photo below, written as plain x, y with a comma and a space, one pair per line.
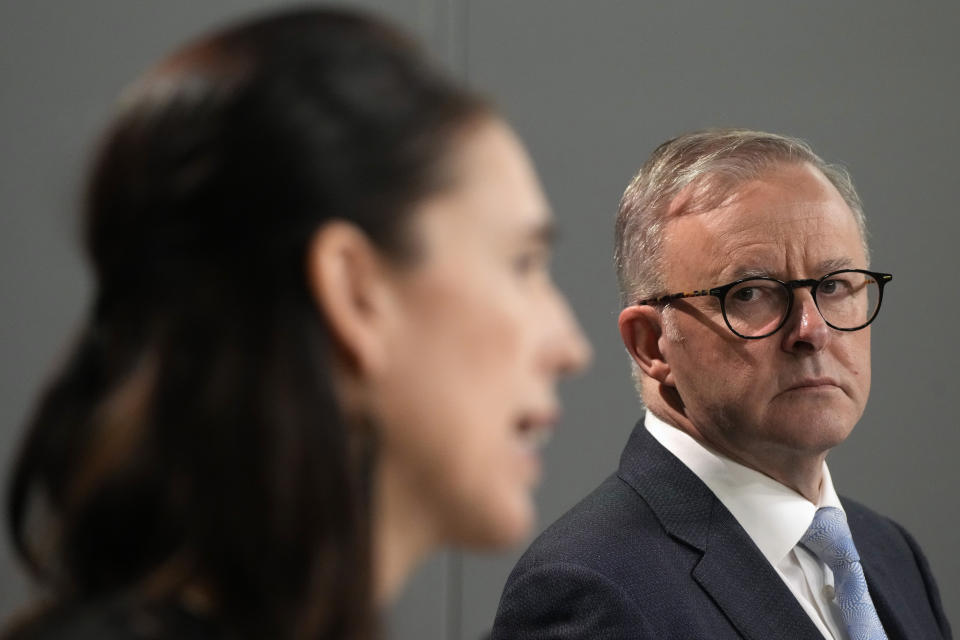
815, 433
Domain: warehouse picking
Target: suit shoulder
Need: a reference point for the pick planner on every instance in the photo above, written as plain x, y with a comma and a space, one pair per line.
859, 514
601, 533
872, 529
568, 601
865, 522
894, 559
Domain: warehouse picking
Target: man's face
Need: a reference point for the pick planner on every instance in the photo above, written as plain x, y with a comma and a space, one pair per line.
800, 391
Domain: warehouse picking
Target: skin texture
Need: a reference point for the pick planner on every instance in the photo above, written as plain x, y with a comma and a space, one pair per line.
457, 356
777, 404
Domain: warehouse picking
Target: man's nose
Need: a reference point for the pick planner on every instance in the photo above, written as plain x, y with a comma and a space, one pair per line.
806, 330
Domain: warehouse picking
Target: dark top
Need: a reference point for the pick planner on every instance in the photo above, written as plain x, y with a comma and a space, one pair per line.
116, 619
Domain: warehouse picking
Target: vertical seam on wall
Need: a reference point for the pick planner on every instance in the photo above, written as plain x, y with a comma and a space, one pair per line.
455, 595
447, 23
463, 25
456, 49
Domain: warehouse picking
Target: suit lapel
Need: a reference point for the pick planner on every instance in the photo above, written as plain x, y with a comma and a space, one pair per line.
894, 613
750, 591
883, 573
732, 571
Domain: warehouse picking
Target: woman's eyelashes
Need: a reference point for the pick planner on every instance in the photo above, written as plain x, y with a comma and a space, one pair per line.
532, 261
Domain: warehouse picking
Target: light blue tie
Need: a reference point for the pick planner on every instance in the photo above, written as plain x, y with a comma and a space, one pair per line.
829, 539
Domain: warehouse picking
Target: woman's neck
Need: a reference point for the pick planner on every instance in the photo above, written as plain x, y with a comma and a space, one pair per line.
403, 535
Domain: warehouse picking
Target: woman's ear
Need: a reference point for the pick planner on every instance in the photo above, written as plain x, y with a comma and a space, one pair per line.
350, 284
640, 329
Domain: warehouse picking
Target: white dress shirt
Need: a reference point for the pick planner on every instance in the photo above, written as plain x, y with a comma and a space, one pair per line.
773, 515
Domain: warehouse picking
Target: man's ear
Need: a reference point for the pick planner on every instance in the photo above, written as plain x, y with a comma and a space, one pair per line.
350, 284
640, 329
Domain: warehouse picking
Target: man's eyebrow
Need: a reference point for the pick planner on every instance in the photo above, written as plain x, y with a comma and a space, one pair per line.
835, 264
750, 272
742, 272
823, 268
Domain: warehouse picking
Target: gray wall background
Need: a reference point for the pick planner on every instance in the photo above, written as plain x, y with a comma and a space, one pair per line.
592, 87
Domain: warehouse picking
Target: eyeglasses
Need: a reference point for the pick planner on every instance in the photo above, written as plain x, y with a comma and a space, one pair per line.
758, 307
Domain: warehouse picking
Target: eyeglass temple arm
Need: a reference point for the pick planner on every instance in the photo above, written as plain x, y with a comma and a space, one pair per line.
696, 293
676, 296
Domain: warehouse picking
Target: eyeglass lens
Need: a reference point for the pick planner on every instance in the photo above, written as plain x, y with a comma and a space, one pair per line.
847, 300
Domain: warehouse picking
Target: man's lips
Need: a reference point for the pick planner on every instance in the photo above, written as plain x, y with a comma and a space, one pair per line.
814, 384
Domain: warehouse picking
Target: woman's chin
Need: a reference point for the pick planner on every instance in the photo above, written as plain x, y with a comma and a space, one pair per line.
505, 528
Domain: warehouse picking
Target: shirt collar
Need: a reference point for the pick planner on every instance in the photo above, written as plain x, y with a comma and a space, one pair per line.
773, 515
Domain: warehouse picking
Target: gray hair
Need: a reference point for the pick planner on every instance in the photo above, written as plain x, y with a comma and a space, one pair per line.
709, 165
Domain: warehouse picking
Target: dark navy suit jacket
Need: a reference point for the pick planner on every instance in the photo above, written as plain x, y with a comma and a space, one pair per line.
652, 553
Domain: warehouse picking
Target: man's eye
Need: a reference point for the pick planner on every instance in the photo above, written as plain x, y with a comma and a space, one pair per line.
747, 294
836, 287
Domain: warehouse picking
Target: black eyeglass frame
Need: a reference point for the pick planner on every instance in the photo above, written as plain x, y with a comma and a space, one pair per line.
721, 294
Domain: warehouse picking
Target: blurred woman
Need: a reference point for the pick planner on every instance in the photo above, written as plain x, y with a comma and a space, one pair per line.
324, 343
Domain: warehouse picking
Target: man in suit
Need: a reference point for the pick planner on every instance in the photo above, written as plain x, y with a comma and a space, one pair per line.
743, 265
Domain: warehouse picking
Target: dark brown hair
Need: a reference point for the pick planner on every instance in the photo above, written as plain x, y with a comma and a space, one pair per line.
193, 439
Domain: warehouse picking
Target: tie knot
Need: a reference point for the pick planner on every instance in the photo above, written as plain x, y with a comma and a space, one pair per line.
829, 538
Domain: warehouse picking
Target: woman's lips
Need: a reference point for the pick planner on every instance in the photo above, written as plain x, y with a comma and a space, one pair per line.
535, 430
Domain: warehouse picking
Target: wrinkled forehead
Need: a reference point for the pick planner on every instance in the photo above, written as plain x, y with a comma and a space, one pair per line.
722, 188
723, 184
787, 222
